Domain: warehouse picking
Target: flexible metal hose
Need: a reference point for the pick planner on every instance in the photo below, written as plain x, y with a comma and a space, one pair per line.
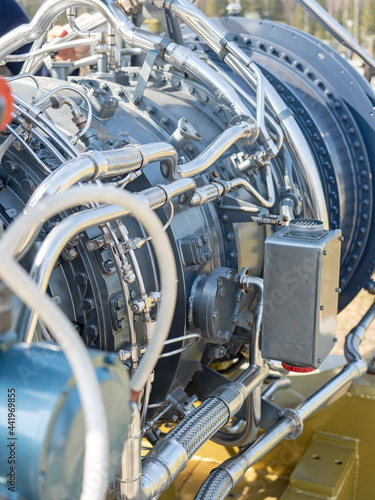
217, 486
192, 433
122, 161
290, 425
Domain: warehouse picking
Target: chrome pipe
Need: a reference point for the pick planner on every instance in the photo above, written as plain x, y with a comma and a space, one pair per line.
34, 64
135, 37
333, 27
249, 430
49, 10
127, 483
290, 424
218, 146
171, 454
57, 239
184, 60
214, 35
243, 183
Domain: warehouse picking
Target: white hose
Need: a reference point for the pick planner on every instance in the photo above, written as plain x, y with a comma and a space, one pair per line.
46, 209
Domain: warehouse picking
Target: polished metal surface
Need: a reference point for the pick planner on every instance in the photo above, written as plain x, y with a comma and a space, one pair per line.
301, 293
244, 144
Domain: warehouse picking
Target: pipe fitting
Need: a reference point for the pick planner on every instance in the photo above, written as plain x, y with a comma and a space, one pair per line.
163, 463
233, 396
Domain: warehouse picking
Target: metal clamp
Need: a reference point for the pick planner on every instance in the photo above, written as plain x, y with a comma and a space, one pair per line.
224, 42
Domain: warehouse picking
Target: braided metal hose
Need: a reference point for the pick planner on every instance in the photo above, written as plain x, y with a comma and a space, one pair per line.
193, 432
216, 487
122, 161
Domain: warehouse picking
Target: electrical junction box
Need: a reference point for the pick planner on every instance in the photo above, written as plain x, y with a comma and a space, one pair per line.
301, 280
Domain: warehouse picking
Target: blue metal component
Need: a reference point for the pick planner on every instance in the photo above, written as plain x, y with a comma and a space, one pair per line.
43, 447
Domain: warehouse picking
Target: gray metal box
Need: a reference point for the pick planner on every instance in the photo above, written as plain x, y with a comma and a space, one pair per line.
301, 279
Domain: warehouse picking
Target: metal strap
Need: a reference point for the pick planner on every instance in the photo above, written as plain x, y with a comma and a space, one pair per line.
284, 114
144, 76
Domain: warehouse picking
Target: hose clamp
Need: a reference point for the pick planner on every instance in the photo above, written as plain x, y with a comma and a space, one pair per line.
224, 50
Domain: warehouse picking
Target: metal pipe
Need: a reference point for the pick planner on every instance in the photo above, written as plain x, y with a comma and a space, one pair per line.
57, 239
218, 146
33, 64
249, 430
91, 166
96, 165
135, 37
128, 486
171, 455
217, 39
49, 10
290, 424
184, 60
241, 182
333, 27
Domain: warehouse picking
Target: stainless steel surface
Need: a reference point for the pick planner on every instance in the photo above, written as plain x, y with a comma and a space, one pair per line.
289, 421
301, 293
226, 147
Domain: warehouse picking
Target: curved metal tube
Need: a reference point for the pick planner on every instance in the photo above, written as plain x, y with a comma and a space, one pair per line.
135, 37
268, 203
184, 60
215, 150
57, 239
333, 27
42, 20
239, 61
289, 426
249, 430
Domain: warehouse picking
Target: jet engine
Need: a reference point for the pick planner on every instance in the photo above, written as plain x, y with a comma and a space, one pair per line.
183, 220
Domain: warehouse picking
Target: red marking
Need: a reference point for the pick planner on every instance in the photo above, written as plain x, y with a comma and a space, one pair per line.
298, 369
135, 395
6, 96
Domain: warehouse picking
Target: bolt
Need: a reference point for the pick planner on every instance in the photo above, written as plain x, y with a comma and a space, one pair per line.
229, 236
338, 290
335, 339
88, 305
220, 291
120, 324
322, 308
72, 253
151, 110
281, 413
234, 320
325, 252
341, 238
320, 360
81, 279
119, 302
223, 351
56, 299
224, 218
215, 315
238, 297
164, 120
109, 266
233, 255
